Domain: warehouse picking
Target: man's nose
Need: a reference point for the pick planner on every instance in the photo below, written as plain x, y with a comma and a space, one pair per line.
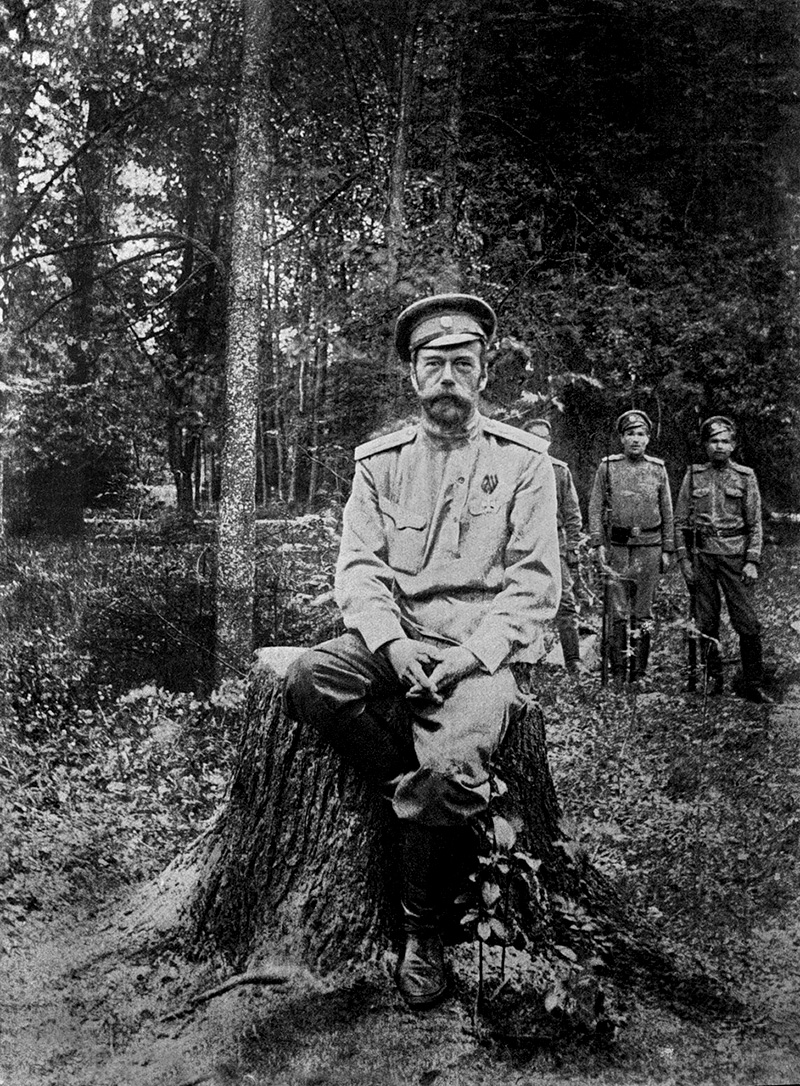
447, 377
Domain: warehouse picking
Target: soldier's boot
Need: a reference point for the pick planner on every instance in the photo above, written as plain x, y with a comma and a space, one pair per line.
641, 656
752, 657
367, 741
713, 682
618, 649
421, 975
571, 647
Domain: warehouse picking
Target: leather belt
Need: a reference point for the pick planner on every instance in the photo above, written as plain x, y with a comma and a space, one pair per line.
722, 533
621, 536
701, 535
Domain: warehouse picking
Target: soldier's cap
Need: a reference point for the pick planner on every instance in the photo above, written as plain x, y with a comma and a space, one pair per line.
443, 320
542, 426
717, 424
629, 419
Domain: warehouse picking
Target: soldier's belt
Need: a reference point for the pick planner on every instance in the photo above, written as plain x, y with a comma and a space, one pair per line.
621, 536
718, 533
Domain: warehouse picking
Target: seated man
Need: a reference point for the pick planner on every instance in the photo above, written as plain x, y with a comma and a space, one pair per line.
448, 568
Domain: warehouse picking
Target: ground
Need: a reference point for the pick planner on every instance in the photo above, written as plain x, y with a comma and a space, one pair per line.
691, 807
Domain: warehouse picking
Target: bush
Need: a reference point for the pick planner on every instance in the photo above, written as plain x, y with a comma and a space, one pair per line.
111, 797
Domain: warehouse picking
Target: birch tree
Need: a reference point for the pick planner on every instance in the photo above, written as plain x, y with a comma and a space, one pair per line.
236, 527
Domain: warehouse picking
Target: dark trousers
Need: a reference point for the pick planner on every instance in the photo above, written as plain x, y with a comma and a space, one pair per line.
436, 772
718, 575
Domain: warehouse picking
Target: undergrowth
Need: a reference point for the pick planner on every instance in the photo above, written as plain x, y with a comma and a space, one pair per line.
691, 805
692, 808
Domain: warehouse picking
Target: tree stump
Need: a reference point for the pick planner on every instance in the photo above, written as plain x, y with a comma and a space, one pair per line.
305, 854
302, 864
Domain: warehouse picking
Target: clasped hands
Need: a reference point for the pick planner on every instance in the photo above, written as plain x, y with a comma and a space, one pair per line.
427, 670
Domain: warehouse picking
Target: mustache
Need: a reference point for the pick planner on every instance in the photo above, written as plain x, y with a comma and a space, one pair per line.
438, 394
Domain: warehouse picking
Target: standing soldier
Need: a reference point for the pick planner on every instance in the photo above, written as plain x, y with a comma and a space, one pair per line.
631, 527
570, 524
718, 538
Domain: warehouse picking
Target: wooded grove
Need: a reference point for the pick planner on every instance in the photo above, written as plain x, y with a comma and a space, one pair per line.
619, 179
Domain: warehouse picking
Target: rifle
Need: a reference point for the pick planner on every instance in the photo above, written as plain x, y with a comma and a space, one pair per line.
606, 627
690, 538
605, 630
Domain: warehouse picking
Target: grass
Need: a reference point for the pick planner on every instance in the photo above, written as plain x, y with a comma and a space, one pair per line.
693, 810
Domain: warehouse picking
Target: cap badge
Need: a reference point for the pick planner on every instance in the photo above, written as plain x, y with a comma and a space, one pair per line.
446, 321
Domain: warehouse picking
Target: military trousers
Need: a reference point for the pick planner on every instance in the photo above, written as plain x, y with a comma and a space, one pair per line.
435, 770
633, 592
718, 575
568, 607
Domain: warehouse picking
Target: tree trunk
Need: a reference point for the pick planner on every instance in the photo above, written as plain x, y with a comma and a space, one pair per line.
448, 276
305, 854
236, 529
396, 215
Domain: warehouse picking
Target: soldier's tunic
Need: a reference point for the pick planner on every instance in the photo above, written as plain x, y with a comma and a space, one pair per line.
453, 542
719, 508
630, 512
570, 523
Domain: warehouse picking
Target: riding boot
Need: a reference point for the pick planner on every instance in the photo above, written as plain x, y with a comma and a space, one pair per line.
641, 655
751, 654
367, 741
570, 646
712, 667
618, 648
420, 976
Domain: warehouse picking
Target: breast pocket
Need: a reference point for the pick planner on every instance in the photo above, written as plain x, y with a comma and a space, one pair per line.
701, 499
486, 529
734, 496
406, 531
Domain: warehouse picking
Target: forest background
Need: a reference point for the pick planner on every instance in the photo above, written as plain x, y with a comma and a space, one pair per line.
618, 179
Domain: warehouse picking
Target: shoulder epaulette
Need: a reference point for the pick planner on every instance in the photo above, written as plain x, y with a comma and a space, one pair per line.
385, 441
612, 456
560, 463
741, 468
700, 467
654, 460
513, 433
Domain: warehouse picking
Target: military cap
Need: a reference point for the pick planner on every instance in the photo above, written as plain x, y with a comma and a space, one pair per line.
717, 424
443, 320
629, 419
539, 425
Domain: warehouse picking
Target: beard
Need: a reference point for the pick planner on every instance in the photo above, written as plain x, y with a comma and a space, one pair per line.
449, 410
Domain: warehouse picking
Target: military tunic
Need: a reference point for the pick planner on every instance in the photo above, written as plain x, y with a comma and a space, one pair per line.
718, 512
452, 541
570, 524
630, 512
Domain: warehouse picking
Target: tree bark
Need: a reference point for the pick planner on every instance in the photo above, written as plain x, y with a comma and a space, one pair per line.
396, 216
305, 853
236, 529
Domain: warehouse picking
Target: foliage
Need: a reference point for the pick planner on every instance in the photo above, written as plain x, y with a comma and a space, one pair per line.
617, 179
543, 988
107, 796
691, 807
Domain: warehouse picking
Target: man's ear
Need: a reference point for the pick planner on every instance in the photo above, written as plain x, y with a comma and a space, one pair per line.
412, 373
484, 377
